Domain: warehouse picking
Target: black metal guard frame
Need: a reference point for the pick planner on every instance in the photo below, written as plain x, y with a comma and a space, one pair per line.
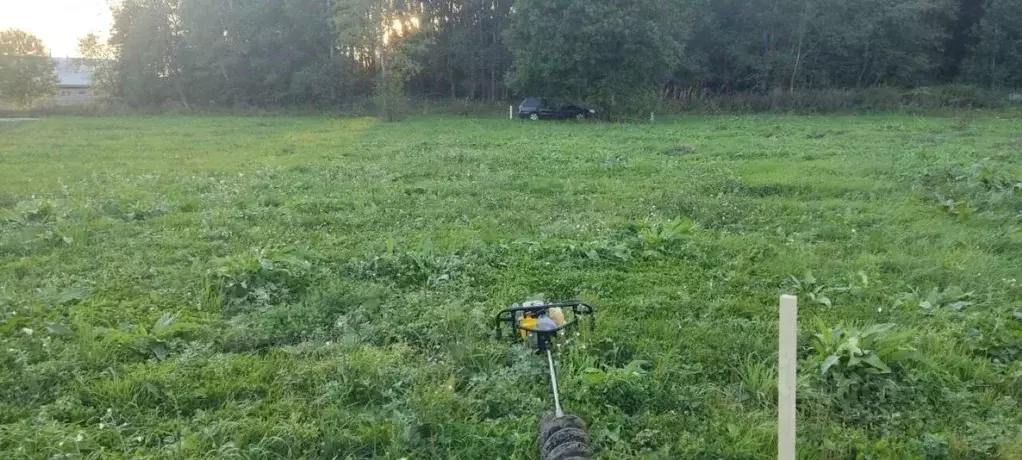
512, 315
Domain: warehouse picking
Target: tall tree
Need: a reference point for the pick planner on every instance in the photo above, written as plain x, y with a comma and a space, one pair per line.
879, 42
603, 51
997, 59
961, 23
383, 36
258, 53
743, 45
766, 45
100, 61
26, 71
146, 38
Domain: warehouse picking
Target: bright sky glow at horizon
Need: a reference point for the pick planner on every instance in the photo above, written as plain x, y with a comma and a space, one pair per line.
58, 23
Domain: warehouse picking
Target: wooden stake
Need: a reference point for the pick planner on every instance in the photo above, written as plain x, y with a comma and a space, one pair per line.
786, 375
511, 112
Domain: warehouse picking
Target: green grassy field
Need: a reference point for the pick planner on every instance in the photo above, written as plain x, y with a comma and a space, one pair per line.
178, 287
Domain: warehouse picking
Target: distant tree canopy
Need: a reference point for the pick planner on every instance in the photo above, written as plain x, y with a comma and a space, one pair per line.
26, 70
594, 50
326, 53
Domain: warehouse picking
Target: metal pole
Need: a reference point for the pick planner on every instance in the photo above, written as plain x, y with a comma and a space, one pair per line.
558, 412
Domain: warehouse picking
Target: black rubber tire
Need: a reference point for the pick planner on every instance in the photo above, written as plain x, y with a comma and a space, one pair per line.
563, 438
570, 450
549, 425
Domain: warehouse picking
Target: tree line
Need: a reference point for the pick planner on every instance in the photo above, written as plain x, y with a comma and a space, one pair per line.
26, 72
334, 53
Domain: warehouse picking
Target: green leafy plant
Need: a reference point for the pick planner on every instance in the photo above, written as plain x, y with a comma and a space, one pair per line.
985, 188
846, 352
656, 238
264, 279
415, 269
951, 298
811, 288
38, 211
959, 208
624, 386
154, 341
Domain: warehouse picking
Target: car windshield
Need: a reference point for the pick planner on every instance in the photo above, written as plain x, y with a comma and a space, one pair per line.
530, 102
543, 103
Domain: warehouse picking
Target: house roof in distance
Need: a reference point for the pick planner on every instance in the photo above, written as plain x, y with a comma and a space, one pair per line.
69, 73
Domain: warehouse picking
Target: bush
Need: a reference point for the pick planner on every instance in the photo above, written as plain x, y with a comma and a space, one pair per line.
876, 99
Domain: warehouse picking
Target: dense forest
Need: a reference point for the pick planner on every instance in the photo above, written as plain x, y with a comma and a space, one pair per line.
331, 53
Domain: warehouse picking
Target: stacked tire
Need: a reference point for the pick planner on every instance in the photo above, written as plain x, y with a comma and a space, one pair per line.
563, 438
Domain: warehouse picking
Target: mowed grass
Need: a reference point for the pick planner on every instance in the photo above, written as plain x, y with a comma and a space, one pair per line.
184, 287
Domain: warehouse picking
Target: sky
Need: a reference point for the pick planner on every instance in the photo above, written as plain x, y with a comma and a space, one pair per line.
58, 23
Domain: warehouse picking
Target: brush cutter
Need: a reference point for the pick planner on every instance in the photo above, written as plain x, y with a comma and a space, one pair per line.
539, 324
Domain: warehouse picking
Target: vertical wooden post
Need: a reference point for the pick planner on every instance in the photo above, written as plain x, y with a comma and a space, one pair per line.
786, 375
511, 112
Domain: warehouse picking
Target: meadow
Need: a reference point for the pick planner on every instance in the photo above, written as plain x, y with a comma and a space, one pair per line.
311, 287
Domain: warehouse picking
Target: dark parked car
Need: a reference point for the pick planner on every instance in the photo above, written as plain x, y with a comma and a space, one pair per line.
535, 108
